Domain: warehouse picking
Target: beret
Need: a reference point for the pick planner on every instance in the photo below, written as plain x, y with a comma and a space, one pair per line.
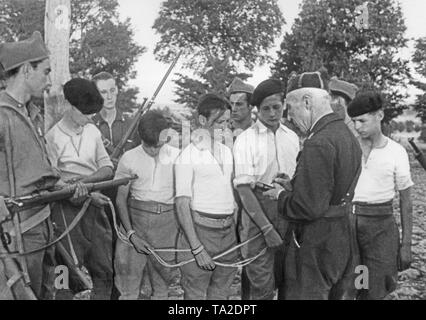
341, 87
317, 79
212, 101
238, 85
265, 89
15, 54
365, 102
84, 95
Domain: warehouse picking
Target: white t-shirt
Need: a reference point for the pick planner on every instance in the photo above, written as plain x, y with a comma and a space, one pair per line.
206, 179
260, 154
155, 175
77, 155
386, 170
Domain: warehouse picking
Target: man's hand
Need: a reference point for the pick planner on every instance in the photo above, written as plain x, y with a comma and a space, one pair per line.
204, 261
284, 181
272, 238
405, 258
99, 199
80, 194
141, 246
274, 193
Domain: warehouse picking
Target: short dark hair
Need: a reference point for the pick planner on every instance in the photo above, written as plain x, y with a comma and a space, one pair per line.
211, 102
150, 127
102, 76
248, 96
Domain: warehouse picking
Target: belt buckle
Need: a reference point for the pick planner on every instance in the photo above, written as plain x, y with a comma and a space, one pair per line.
159, 209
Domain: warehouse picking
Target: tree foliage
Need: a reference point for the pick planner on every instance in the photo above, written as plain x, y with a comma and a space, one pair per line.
217, 38
419, 59
99, 40
326, 34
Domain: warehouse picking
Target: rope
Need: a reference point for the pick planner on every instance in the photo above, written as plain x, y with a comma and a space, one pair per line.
155, 252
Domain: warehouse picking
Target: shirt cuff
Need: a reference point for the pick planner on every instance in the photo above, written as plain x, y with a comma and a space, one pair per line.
243, 179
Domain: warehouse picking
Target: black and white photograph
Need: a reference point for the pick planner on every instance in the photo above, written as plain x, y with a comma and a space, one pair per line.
231, 151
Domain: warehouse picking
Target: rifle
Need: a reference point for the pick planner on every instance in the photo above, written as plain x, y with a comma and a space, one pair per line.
141, 111
418, 154
19, 204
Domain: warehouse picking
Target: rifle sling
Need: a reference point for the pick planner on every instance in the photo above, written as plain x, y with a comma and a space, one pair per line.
71, 227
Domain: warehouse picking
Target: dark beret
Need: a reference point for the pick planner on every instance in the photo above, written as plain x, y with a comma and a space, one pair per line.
365, 102
84, 95
212, 101
318, 79
15, 54
265, 89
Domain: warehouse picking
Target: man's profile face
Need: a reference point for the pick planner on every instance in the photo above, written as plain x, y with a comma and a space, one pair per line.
109, 91
298, 113
241, 109
271, 111
339, 106
39, 78
368, 124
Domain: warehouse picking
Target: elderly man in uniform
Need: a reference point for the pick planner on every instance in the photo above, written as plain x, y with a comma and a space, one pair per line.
267, 149
319, 246
240, 95
385, 168
205, 205
75, 147
24, 164
342, 93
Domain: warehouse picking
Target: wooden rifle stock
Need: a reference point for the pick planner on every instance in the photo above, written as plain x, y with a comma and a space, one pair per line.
418, 154
141, 111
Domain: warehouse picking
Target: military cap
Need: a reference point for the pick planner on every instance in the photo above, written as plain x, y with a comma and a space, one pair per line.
84, 95
365, 102
344, 88
318, 79
238, 85
265, 89
15, 54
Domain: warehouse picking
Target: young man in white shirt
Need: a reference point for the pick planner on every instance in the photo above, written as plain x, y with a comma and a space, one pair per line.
385, 168
240, 95
261, 153
75, 148
146, 208
205, 204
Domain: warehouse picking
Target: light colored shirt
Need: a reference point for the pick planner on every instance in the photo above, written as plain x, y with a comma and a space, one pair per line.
76, 155
206, 178
260, 154
155, 175
386, 170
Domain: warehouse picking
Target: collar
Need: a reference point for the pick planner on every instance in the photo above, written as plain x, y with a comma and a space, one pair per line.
261, 128
323, 122
29, 109
98, 119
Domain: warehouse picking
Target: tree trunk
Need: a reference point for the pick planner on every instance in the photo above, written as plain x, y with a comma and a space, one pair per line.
57, 36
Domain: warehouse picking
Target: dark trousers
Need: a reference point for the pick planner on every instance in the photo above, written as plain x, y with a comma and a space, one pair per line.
325, 259
92, 242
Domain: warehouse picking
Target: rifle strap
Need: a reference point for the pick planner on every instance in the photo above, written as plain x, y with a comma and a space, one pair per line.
14, 279
71, 227
72, 250
33, 221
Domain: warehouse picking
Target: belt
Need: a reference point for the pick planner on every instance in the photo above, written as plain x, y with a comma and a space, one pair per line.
373, 210
212, 221
34, 220
150, 206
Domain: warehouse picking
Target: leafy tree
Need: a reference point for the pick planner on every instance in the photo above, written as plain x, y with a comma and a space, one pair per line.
217, 38
99, 40
326, 34
419, 59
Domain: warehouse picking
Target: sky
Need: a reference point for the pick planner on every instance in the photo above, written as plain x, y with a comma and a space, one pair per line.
150, 72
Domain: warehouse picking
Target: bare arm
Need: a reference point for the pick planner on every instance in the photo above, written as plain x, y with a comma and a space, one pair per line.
184, 216
103, 174
406, 206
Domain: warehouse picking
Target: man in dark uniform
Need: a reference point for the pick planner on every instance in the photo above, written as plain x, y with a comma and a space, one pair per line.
319, 246
110, 120
24, 165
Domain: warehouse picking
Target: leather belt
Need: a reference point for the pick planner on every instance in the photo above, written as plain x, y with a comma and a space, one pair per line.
212, 221
373, 210
150, 206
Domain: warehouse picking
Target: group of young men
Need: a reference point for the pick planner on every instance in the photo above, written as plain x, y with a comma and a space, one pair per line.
297, 217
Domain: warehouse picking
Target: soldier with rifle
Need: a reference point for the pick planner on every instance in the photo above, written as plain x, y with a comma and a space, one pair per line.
385, 168
24, 168
75, 147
